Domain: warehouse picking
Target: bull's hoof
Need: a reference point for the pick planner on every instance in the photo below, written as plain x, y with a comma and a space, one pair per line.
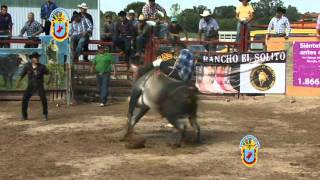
136, 143
124, 138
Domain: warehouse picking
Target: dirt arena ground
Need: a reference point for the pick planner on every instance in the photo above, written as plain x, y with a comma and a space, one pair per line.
82, 142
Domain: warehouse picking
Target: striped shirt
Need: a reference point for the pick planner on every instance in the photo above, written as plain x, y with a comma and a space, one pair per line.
280, 26
318, 23
150, 12
185, 64
31, 27
80, 27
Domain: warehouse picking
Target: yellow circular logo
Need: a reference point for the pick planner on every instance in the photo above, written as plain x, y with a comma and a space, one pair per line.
262, 78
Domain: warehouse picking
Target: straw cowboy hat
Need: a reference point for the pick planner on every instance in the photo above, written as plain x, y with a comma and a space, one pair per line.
83, 6
141, 17
205, 13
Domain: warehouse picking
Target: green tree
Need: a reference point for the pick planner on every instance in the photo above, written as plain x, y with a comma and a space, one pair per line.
265, 10
224, 12
175, 10
293, 14
136, 6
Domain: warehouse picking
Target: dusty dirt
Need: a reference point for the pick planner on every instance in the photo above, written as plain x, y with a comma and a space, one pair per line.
82, 142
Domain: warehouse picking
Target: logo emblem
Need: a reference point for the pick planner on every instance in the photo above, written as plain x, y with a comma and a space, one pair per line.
59, 24
262, 78
249, 146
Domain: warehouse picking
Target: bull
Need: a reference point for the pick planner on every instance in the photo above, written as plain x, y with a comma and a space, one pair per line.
173, 99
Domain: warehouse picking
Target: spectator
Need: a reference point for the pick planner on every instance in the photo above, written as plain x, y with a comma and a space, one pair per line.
132, 18
244, 15
46, 10
102, 64
36, 73
83, 10
175, 29
108, 29
280, 24
80, 31
5, 25
33, 28
125, 33
151, 9
161, 28
209, 26
318, 26
143, 35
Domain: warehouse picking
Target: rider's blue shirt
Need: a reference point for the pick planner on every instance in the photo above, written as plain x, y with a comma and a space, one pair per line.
185, 64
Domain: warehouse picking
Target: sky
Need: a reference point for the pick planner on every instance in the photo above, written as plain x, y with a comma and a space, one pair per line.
118, 5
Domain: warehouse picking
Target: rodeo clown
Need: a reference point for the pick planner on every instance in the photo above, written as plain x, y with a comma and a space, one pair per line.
36, 73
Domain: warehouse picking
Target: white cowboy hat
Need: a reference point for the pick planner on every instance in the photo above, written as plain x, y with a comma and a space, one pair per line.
83, 5
205, 13
131, 11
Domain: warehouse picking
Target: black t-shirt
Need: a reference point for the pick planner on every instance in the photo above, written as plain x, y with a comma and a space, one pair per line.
35, 75
175, 30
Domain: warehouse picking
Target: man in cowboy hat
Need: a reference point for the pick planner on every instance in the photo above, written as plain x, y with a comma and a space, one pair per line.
143, 34
125, 33
36, 73
244, 15
80, 31
209, 26
279, 24
83, 10
132, 18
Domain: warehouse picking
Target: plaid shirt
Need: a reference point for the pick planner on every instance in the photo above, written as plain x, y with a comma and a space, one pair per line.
185, 64
280, 26
80, 27
31, 28
150, 12
318, 23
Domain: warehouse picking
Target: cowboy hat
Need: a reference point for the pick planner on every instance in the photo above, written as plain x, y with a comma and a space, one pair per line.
205, 13
122, 14
141, 17
34, 55
83, 6
281, 10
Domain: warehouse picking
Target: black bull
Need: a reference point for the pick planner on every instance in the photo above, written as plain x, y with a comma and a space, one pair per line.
8, 66
173, 99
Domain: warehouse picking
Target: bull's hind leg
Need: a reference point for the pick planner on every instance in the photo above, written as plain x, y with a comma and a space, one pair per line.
181, 126
137, 114
196, 128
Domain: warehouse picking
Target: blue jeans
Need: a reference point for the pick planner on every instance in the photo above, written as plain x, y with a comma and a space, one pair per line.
239, 27
141, 43
78, 42
103, 80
